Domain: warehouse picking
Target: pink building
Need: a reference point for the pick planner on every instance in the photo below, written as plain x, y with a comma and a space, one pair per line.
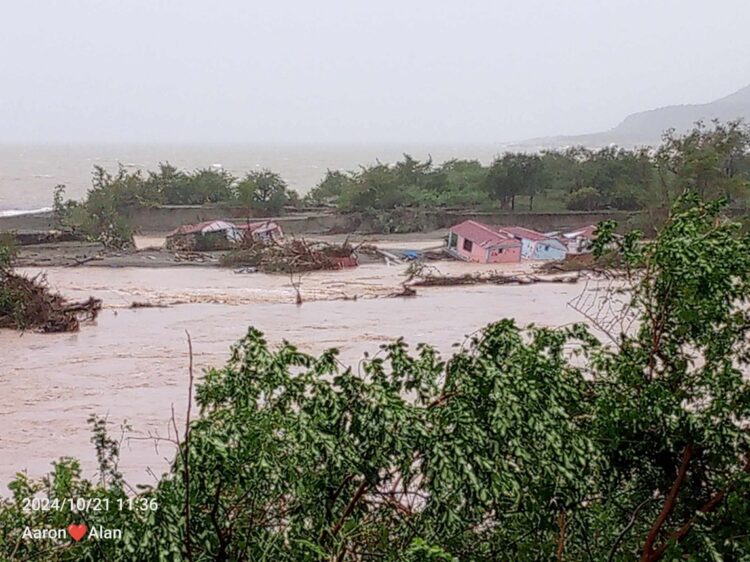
481, 243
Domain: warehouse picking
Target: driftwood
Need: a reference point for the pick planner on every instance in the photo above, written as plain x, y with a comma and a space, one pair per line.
81, 261
423, 275
406, 291
198, 257
140, 304
28, 304
292, 256
488, 279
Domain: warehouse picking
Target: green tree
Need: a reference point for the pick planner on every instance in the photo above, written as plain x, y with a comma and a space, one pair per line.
207, 185
710, 161
584, 199
515, 174
331, 188
263, 192
170, 183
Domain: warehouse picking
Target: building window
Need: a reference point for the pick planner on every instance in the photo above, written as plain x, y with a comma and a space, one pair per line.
468, 245
452, 240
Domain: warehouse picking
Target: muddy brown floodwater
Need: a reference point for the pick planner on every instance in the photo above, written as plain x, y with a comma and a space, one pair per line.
132, 364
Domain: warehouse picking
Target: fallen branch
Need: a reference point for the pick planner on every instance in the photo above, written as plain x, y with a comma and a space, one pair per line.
81, 261
493, 278
138, 304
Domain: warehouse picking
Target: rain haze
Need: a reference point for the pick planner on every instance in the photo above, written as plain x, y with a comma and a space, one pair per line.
188, 71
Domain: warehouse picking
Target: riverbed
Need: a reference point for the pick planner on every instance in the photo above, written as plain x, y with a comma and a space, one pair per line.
132, 364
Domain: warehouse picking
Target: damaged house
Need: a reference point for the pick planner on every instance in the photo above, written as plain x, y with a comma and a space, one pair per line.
580, 241
535, 245
220, 235
481, 243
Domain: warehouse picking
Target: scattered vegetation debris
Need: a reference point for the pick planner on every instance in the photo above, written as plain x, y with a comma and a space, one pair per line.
26, 303
138, 304
196, 257
406, 291
292, 256
80, 261
584, 262
420, 275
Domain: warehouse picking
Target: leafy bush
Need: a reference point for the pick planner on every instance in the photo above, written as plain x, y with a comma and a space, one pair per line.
584, 199
264, 193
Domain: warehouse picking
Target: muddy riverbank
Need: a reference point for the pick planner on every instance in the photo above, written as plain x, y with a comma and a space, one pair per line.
151, 253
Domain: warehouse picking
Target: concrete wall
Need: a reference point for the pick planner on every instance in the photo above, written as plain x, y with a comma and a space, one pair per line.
167, 218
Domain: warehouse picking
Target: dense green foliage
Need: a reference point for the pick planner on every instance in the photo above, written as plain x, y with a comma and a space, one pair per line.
577, 178
264, 193
525, 444
104, 214
711, 161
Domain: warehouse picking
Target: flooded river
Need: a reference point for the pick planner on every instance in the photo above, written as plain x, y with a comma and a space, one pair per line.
132, 363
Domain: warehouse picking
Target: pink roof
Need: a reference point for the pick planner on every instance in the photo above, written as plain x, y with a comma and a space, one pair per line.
484, 235
527, 233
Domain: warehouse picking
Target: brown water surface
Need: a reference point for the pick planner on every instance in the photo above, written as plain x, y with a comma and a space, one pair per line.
132, 364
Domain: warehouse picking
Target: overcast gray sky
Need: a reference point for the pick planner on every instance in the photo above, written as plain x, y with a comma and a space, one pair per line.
352, 71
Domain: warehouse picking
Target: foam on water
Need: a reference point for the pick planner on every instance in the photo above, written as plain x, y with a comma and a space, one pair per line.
19, 212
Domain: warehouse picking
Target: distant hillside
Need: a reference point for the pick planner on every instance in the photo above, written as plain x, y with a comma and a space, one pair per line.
646, 127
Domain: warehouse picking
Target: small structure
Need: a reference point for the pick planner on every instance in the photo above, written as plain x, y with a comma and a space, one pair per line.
204, 236
265, 231
535, 245
221, 235
580, 241
477, 242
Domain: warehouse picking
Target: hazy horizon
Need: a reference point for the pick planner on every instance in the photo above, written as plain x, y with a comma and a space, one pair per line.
335, 72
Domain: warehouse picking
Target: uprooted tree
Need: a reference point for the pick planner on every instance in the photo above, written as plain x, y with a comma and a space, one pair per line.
526, 444
26, 303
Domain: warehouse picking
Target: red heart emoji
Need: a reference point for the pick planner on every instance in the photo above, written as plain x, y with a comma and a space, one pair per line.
77, 531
